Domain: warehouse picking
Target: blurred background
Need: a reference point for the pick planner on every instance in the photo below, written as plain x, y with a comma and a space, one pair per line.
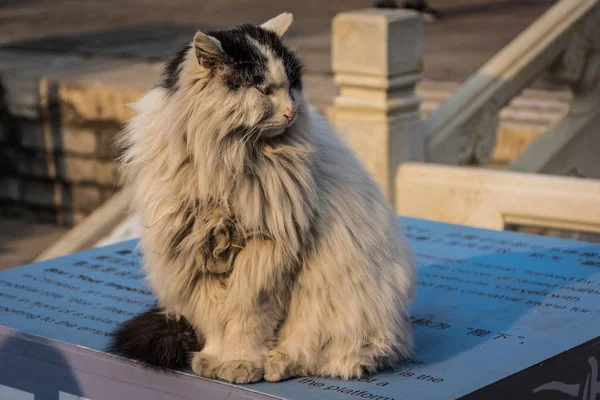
68, 67
469, 33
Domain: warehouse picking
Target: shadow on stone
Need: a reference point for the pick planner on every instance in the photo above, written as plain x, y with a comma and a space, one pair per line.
31, 368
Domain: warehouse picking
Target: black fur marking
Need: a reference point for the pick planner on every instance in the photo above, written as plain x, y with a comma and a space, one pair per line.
189, 221
247, 66
170, 75
156, 339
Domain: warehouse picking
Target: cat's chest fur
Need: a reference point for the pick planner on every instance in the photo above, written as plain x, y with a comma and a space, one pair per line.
272, 194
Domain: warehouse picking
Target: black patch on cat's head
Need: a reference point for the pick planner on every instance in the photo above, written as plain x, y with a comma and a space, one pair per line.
170, 75
245, 65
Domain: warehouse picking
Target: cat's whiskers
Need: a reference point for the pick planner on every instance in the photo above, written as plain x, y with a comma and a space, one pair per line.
233, 147
158, 220
248, 135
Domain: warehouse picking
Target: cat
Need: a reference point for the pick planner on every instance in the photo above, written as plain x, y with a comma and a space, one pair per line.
272, 252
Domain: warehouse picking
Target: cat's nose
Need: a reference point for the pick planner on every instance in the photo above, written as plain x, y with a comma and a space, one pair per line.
290, 114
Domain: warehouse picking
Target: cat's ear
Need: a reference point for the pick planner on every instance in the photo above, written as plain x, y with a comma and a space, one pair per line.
280, 24
208, 49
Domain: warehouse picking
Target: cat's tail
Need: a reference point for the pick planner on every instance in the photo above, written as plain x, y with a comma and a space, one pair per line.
157, 339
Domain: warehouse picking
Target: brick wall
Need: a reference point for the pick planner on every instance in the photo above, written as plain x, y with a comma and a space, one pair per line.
56, 148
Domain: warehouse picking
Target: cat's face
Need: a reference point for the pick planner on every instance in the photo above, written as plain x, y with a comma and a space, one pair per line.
255, 82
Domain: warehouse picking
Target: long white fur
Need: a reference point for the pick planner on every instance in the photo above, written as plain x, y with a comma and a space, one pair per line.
324, 280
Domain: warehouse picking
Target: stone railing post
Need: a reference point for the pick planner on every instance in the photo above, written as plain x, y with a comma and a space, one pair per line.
376, 60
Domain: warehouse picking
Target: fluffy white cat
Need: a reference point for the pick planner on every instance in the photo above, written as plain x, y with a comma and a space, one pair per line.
263, 235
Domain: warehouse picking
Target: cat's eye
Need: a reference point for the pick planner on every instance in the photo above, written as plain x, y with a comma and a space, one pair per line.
267, 91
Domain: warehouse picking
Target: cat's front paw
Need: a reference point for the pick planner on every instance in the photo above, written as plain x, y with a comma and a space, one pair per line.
205, 365
221, 260
240, 372
278, 367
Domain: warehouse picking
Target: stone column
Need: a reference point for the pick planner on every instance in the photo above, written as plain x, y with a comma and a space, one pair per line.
376, 57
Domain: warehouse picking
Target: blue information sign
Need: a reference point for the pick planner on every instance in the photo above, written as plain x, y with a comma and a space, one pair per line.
489, 304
